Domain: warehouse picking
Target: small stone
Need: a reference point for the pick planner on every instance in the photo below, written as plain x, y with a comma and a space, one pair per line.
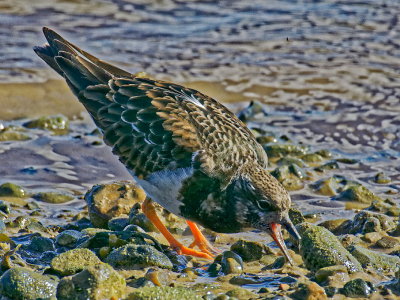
334, 226
241, 293
54, 198
107, 201
371, 225
133, 256
5, 207
40, 244
357, 193
158, 277
284, 287
231, 263
68, 238
358, 288
142, 221
118, 223
381, 178
164, 293
248, 251
379, 261
372, 237
134, 228
74, 261
9, 189
11, 134
22, 283
309, 291
387, 242
296, 216
322, 274
332, 165
96, 282
312, 158
58, 123
282, 150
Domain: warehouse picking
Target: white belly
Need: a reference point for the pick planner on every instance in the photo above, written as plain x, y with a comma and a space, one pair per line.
163, 187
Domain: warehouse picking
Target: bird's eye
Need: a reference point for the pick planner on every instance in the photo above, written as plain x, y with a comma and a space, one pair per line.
265, 205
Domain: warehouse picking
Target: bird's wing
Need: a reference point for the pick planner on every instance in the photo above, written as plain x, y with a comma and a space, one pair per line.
154, 125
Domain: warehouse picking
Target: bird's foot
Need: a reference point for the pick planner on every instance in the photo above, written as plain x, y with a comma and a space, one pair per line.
201, 241
183, 250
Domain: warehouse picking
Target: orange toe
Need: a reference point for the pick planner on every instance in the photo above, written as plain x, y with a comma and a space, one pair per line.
201, 241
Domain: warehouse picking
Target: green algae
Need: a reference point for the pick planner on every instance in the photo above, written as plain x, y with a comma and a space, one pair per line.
379, 261
165, 293
11, 134
132, 256
58, 124
96, 282
357, 193
53, 197
23, 283
74, 261
320, 248
248, 251
282, 150
9, 189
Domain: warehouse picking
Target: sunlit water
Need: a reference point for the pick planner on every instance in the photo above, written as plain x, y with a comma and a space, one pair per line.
327, 70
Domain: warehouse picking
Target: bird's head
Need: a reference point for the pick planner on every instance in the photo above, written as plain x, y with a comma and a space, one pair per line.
269, 204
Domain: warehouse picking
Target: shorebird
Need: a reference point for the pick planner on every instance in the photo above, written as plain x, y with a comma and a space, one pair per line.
189, 153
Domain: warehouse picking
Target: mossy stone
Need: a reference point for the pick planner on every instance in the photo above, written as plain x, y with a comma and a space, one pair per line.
296, 216
388, 242
132, 256
357, 193
58, 123
12, 135
164, 293
331, 165
9, 189
323, 273
358, 288
379, 261
68, 238
40, 244
282, 150
241, 293
381, 178
248, 251
23, 283
74, 261
54, 198
312, 158
96, 282
320, 248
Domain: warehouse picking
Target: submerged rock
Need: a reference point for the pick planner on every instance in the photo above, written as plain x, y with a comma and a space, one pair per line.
290, 176
282, 150
381, 178
58, 123
97, 282
379, 261
133, 256
231, 263
54, 198
69, 238
248, 251
358, 288
107, 201
367, 221
23, 283
74, 261
321, 248
357, 193
323, 273
9, 189
164, 293
12, 134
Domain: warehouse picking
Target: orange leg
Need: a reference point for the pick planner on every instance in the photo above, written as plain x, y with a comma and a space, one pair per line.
200, 240
150, 212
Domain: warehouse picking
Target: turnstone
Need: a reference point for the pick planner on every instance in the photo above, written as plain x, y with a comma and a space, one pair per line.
189, 153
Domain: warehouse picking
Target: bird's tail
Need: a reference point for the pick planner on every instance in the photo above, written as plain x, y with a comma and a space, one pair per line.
79, 68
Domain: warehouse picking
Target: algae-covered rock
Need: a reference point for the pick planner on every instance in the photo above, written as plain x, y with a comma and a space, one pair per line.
107, 201
388, 242
331, 186
323, 273
118, 223
379, 261
320, 248
164, 293
9, 189
74, 261
231, 263
58, 123
357, 193
68, 238
381, 178
23, 283
312, 158
248, 251
12, 134
335, 226
140, 219
54, 198
40, 244
241, 293
281, 150
386, 207
290, 176
358, 288
133, 256
96, 282
367, 221
296, 216
331, 165
309, 291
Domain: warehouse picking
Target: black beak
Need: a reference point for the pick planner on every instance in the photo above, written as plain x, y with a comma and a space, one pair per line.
287, 223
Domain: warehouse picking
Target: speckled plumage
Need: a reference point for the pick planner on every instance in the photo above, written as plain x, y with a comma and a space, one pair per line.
175, 139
